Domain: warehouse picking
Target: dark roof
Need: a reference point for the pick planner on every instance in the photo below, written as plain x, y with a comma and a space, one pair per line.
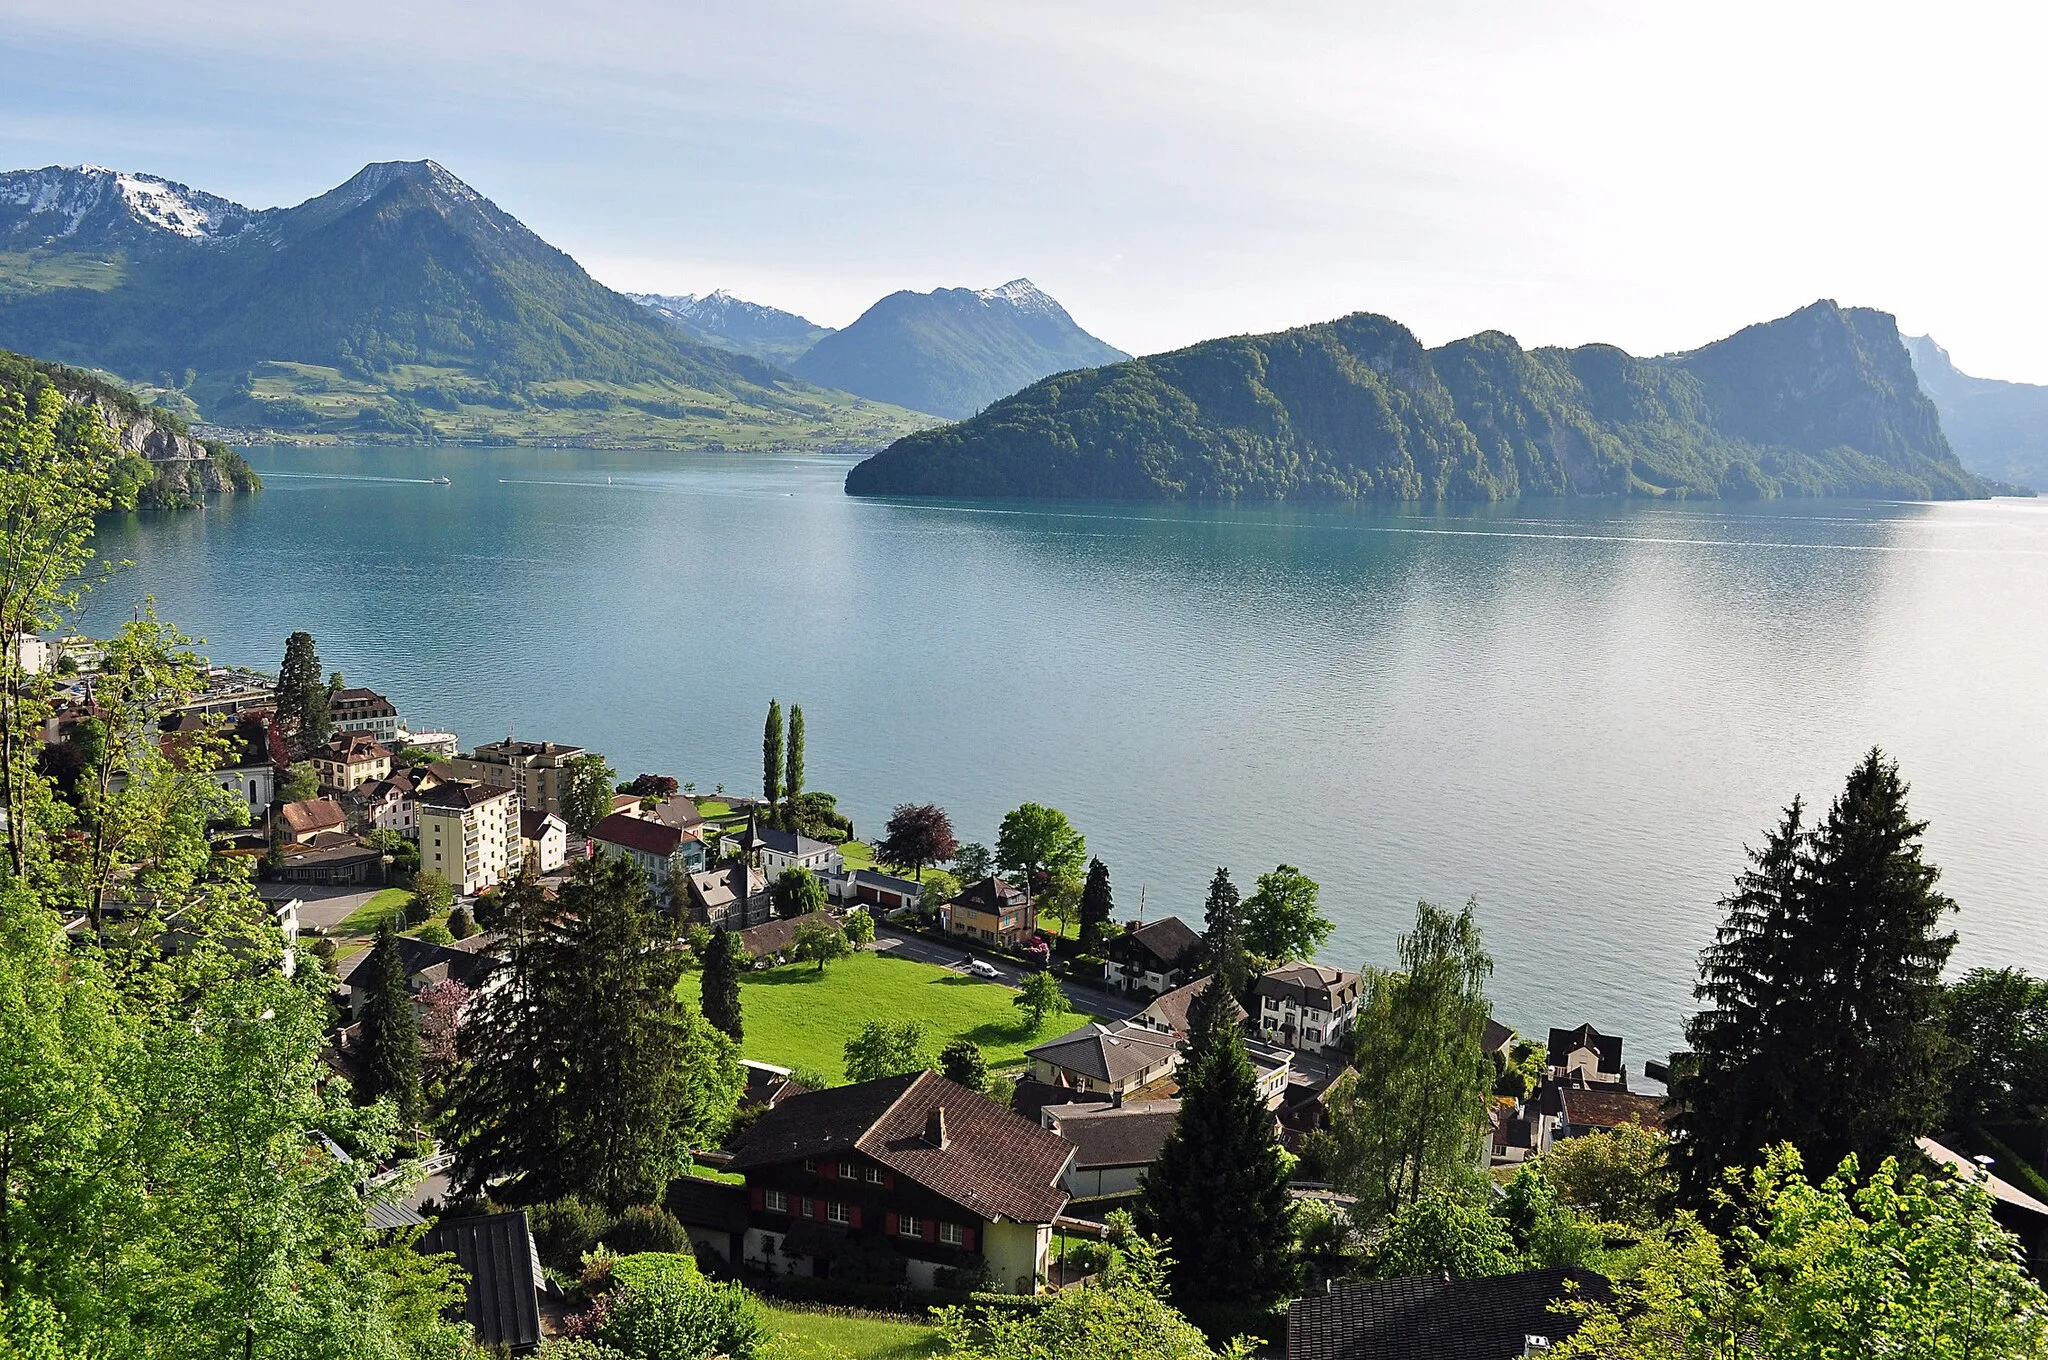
359, 699
698, 1203
637, 833
1308, 984
678, 812
1162, 946
1608, 1046
1495, 1036
777, 936
894, 884
768, 1085
1434, 1317
1600, 1107
994, 1163
1108, 1052
352, 747
458, 795
781, 842
991, 895
1030, 1097
1122, 1135
245, 741
468, 967
501, 1300
1171, 1008
533, 822
383, 1217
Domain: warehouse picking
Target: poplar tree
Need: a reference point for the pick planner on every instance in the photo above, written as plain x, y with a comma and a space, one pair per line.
771, 756
1096, 907
1217, 1193
391, 1030
793, 766
721, 985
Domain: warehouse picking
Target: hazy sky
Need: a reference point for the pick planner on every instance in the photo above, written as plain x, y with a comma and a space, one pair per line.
1651, 174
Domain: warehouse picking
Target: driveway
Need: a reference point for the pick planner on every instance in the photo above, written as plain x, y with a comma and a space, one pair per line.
1089, 1001
322, 908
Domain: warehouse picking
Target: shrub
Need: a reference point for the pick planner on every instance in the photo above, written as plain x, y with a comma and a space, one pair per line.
566, 1228
435, 933
647, 1228
460, 926
673, 1318
648, 1268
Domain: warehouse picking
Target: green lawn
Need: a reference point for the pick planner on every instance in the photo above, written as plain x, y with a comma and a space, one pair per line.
796, 1016
365, 919
827, 1336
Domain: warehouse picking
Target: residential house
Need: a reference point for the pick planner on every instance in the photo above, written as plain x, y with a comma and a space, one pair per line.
1436, 1317
1497, 1042
2018, 1212
363, 710
1588, 1054
663, 853
1307, 1006
713, 1213
772, 941
351, 759
1116, 1059
1169, 1011
501, 1276
992, 912
731, 897
392, 803
1155, 956
940, 1177
773, 852
426, 964
538, 770
677, 811
767, 1084
303, 821
1114, 1145
1601, 1107
469, 834
876, 890
544, 839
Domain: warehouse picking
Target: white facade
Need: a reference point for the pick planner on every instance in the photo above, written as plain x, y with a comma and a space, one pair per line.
824, 861
475, 846
398, 813
255, 784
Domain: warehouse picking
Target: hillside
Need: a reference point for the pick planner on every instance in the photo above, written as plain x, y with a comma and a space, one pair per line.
1998, 429
402, 302
953, 351
727, 322
159, 465
1821, 402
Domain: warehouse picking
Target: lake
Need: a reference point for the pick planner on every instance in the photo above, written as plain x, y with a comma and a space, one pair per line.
1580, 712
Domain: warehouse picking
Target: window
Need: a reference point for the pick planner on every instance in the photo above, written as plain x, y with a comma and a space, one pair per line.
835, 1212
909, 1226
950, 1234
1272, 1003
810, 1163
874, 1175
847, 1172
776, 1201
810, 1207
1315, 1036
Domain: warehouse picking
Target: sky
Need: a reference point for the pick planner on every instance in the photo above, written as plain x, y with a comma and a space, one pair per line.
1650, 175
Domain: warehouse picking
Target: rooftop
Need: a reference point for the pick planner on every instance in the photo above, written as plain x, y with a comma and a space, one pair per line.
1112, 1052
461, 797
1309, 984
1564, 1041
637, 833
1168, 943
1434, 1317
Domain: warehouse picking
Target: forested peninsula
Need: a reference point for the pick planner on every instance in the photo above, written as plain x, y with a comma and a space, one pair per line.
1823, 402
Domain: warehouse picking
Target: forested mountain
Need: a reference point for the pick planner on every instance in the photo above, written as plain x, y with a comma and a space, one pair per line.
1821, 402
718, 318
954, 350
1998, 429
401, 301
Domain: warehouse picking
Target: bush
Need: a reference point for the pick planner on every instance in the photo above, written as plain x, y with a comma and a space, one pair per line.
564, 1229
436, 933
674, 1318
647, 1268
647, 1228
460, 926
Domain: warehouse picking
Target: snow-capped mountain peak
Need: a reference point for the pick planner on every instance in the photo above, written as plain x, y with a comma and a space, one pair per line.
67, 201
1024, 295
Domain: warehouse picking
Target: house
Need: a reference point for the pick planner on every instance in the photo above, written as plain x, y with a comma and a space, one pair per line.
772, 940
928, 1174
1114, 1145
544, 839
992, 912
2018, 1212
1435, 1317
1497, 1042
663, 853
334, 859
767, 1084
713, 1213
244, 762
1601, 1108
502, 1276
1113, 1059
1306, 1006
1156, 956
537, 770
469, 834
877, 890
679, 812
303, 821
391, 802
427, 964
351, 759
730, 897
773, 852
1169, 1011
363, 710
1588, 1054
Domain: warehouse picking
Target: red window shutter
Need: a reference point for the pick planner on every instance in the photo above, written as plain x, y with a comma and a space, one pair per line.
967, 1239
889, 1224
888, 1180
760, 1197
818, 1210
829, 1170
931, 1229
853, 1215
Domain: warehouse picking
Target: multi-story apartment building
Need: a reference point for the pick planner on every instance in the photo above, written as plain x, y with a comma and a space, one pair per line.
537, 770
350, 760
469, 833
363, 710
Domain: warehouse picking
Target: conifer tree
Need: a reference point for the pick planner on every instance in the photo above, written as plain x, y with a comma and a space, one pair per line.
1096, 907
793, 764
1824, 1020
1217, 1194
1223, 918
721, 990
771, 756
962, 1063
391, 1030
302, 692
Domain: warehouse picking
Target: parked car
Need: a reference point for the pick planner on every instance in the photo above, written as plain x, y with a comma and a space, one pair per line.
982, 968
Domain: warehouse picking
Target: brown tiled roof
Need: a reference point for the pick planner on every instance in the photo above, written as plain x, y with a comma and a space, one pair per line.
774, 937
991, 895
354, 748
698, 1203
637, 833
1161, 946
1308, 984
993, 1164
1171, 1008
1434, 1317
315, 814
1599, 1108
1124, 1135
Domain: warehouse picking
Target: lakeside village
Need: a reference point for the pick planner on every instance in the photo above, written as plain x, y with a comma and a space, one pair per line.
960, 1078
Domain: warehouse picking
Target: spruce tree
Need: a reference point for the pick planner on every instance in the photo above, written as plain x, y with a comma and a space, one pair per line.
302, 692
1096, 907
1223, 918
1824, 1019
793, 765
1217, 1194
391, 1030
721, 990
771, 756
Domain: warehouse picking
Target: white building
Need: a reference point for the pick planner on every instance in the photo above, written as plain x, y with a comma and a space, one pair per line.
363, 710
1306, 1006
469, 833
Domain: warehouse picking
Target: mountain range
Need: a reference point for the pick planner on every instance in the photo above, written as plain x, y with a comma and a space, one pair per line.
1998, 429
1821, 402
720, 319
401, 302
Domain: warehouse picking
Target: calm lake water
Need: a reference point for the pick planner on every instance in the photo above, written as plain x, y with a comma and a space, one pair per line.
1579, 712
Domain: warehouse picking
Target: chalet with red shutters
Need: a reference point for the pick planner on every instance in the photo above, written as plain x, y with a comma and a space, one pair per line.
914, 1171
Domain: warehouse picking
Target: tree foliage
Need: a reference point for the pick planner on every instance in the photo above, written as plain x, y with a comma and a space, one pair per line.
881, 1050
1444, 1231
391, 1035
797, 892
1622, 1177
1097, 907
859, 926
724, 958
1223, 931
1036, 841
793, 758
1040, 998
918, 834
586, 792
819, 941
302, 694
961, 1062
1998, 1022
771, 756
1281, 921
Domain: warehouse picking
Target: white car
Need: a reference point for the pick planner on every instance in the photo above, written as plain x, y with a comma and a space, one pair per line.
982, 968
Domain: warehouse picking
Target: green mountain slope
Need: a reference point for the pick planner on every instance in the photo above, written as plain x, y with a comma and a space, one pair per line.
402, 301
1822, 402
953, 351
1998, 429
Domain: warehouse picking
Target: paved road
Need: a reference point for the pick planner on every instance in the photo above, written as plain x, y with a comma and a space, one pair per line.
323, 908
1087, 1000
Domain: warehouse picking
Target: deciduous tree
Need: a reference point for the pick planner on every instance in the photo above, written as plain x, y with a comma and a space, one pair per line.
881, 1050
860, 928
918, 834
1444, 1231
1036, 841
819, 941
1281, 923
973, 862
586, 792
961, 1062
797, 892
1040, 998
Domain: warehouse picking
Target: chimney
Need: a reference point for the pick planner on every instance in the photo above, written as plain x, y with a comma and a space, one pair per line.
1533, 1345
935, 1128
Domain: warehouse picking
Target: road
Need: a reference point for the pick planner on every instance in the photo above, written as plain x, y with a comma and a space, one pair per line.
1104, 1005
